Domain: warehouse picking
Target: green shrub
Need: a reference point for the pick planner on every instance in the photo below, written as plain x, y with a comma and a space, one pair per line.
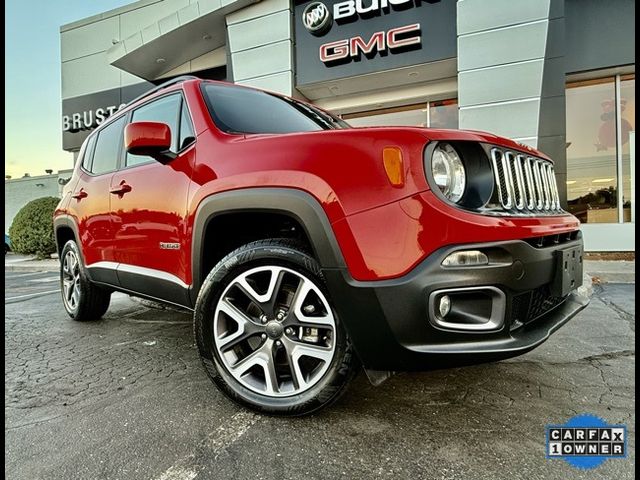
32, 229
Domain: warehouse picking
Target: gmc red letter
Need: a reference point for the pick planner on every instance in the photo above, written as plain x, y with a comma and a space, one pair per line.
334, 50
376, 42
392, 42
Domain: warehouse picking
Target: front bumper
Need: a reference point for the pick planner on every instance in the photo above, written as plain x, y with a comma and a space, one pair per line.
392, 325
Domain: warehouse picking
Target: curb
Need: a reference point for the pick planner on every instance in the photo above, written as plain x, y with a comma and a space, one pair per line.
602, 278
31, 268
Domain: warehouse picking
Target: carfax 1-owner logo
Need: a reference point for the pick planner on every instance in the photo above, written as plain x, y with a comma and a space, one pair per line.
586, 441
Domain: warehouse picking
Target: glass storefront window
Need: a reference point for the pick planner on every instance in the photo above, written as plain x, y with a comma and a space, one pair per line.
443, 114
627, 128
591, 151
440, 114
413, 116
600, 145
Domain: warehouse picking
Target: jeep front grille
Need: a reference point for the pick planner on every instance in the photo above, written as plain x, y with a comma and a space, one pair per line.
524, 183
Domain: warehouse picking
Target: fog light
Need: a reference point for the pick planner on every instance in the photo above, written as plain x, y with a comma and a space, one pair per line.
466, 258
444, 306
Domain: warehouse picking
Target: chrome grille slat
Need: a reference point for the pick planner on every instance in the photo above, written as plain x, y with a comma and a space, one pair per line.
516, 180
504, 193
524, 183
531, 192
554, 188
545, 185
538, 184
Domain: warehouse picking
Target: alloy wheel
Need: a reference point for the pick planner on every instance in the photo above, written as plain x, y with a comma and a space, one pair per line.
71, 280
274, 331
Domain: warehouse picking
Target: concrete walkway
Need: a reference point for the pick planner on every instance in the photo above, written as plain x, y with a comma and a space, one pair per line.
14, 262
611, 271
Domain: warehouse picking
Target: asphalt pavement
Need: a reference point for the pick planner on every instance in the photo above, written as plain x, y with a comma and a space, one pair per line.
126, 398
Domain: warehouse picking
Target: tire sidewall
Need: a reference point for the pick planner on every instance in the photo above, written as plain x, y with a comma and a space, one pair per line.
334, 379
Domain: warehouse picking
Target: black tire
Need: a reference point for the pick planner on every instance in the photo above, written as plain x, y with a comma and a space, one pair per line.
279, 253
92, 301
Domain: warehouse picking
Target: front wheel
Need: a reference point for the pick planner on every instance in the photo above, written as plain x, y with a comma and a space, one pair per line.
267, 333
82, 299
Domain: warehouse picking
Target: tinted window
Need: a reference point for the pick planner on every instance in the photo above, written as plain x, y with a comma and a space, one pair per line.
186, 128
242, 110
108, 147
163, 110
87, 154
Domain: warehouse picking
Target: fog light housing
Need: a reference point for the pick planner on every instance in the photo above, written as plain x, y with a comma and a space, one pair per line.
471, 309
444, 305
466, 258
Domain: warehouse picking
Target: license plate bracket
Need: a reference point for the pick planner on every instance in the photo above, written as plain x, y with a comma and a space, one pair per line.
568, 276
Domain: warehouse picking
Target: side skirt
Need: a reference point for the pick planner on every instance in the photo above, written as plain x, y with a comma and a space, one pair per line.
142, 295
143, 282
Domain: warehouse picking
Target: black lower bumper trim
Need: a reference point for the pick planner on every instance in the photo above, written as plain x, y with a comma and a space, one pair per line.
389, 321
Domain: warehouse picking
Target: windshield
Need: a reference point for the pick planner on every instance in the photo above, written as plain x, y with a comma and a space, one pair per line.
243, 110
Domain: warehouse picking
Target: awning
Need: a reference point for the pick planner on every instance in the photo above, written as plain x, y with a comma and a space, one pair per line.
175, 39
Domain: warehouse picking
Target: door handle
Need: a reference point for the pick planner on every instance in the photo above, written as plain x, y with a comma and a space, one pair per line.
80, 195
121, 189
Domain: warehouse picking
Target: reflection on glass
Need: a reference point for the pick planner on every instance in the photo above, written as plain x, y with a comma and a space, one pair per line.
591, 151
627, 128
443, 114
414, 117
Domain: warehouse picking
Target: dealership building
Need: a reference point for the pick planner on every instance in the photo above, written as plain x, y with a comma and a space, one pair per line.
558, 75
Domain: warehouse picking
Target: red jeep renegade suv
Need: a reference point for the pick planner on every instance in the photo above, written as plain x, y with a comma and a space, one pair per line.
306, 247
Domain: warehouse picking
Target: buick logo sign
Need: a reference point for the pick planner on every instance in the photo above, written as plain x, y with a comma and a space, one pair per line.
317, 18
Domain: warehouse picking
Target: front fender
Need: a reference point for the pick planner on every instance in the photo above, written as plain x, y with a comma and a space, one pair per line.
299, 205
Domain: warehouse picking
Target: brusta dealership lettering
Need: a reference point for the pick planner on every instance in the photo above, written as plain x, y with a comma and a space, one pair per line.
318, 20
88, 119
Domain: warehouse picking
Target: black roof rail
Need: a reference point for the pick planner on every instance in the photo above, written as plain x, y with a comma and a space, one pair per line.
173, 81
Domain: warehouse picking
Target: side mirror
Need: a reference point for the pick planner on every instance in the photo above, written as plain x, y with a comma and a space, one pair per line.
152, 139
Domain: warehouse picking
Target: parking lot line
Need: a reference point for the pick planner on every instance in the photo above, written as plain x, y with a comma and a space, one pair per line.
29, 274
44, 280
29, 295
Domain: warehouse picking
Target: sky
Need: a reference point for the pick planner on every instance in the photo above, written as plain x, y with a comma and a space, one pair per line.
33, 132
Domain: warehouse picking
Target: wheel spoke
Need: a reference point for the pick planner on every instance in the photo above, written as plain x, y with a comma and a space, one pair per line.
76, 293
263, 358
296, 374
296, 350
246, 327
271, 377
70, 290
274, 282
304, 289
314, 351
67, 284
65, 266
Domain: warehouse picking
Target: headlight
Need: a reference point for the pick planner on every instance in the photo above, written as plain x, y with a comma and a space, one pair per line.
448, 172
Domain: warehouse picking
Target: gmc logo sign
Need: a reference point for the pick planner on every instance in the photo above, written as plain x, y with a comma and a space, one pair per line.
394, 39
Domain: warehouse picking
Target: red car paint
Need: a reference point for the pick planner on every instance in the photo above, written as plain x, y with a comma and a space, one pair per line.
383, 231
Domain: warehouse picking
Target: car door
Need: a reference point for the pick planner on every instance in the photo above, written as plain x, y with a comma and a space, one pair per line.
90, 200
149, 208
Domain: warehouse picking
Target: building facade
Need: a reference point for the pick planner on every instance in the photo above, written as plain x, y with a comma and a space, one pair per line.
558, 75
20, 191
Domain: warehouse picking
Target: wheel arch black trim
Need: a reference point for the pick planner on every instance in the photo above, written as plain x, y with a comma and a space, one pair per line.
297, 204
67, 221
